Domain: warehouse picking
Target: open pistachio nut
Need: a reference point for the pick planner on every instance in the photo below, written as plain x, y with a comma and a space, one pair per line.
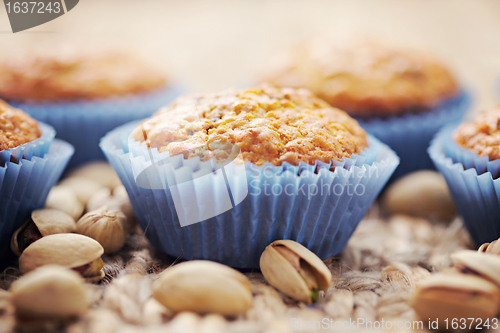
485, 265
203, 287
107, 226
448, 296
43, 222
77, 252
49, 293
294, 270
493, 247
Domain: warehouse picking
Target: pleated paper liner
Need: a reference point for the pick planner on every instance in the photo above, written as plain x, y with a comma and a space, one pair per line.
474, 185
38, 147
233, 221
83, 123
24, 186
409, 135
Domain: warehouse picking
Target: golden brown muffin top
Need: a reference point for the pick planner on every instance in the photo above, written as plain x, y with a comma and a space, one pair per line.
364, 78
16, 127
482, 135
266, 123
48, 76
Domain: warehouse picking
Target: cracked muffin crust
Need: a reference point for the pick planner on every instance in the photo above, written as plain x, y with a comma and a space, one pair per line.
364, 78
266, 123
482, 135
16, 127
66, 75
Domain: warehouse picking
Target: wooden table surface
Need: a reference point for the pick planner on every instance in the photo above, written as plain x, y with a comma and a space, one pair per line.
212, 45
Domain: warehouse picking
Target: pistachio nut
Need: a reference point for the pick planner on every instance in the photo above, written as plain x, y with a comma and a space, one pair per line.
51, 293
203, 287
493, 247
105, 226
84, 188
43, 222
448, 296
117, 200
63, 198
422, 194
78, 252
100, 172
485, 265
295, 270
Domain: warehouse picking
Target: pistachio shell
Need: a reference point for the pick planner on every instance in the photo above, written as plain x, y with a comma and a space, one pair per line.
49, 292
203, 287
493, 247
67, 250
84, 188
282, 275
117, 200
447, 296
105, 226
486, 265
100, 172
64, 199
47, 222
423, 194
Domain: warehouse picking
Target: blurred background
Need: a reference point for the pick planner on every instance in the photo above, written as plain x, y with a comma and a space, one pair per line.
212, 45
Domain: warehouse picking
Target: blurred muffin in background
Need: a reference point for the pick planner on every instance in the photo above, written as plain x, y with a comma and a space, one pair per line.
83, 93
402, 96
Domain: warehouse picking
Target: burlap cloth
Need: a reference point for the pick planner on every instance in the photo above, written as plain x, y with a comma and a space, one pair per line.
373, 279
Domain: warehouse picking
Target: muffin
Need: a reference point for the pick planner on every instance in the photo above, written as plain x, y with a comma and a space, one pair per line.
401, 96
83, 94
31, 162
220, 176
469, 159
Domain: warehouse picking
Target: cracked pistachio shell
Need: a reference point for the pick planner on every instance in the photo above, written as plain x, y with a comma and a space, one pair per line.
47, 222
447, 296
65, 199
492, 248
84, 188
203, 287
49, 293
117, 200
105, 226
486, 265
66, 250
280, 273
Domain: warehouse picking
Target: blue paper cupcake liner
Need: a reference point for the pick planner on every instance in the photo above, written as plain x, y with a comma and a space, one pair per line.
83, 123
38, 147
410, 134
24, 186
474, 185
308, 203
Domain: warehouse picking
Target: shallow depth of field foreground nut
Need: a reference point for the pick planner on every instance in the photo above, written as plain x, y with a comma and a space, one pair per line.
49, 293
295, 270
423, 194
78, 252
449, 296
491, 248
105, 226
203, 287
63, 198
43, 222
485, 265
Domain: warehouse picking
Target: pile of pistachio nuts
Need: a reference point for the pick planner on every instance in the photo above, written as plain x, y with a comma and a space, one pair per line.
465, 297
88, 214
